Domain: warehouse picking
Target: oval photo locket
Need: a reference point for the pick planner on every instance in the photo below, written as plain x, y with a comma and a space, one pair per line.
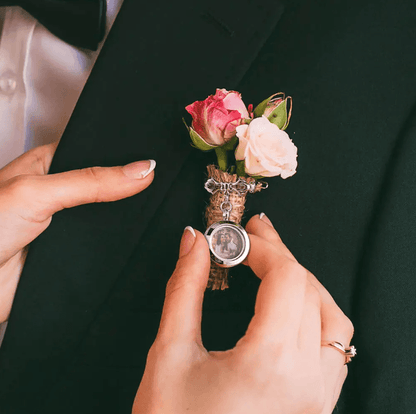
228, 242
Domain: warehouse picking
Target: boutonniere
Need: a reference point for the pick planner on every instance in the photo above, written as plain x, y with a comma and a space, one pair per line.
249, 146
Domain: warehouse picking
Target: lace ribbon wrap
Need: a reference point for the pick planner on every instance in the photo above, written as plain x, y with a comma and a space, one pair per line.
218, 276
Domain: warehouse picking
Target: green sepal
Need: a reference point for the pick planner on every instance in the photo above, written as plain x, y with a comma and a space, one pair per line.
222, 158
257, 177
197, 140
289, 112
261, 107
229, 146
240, 168
279, 115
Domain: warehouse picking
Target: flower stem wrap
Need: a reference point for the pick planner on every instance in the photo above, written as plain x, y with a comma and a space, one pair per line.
218, 277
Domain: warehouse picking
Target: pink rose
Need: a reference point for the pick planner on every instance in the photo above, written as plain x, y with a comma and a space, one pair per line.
216, 118
267, 150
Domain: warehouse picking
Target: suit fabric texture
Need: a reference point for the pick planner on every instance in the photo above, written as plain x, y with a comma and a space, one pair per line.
89, 301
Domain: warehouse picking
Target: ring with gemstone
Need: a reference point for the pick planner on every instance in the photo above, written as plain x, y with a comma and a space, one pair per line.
349, 352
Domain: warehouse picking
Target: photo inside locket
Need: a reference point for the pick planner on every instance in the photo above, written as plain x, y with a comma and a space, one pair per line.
227, 243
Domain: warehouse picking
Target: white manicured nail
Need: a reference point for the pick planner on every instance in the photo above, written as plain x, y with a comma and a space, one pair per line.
139, 169
189, 228
264, 218
152, 166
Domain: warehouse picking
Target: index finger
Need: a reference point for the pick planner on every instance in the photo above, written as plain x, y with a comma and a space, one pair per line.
38, 197
281, 295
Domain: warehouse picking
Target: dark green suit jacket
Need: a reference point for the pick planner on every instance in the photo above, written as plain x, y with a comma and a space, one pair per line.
88, 305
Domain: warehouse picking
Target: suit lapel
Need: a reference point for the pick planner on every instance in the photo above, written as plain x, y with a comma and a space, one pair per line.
384, 297
159, 57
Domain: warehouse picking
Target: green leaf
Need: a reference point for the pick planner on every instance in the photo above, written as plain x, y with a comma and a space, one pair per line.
261, 107
279, 115
197, 140
232, 169
240, 168
222, 158
229, 146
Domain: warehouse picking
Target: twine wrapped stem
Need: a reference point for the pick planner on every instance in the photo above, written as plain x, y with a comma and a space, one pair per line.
218, 277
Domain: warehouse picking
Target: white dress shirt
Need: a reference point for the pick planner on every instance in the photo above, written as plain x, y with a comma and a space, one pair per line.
41, 78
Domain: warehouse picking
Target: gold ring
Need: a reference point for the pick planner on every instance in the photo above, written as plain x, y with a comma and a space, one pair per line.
349, 352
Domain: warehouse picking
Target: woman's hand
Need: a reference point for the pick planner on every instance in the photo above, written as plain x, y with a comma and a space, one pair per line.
279, 366
29, 198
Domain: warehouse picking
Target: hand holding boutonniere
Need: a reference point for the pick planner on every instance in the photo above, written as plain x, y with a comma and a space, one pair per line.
249, 146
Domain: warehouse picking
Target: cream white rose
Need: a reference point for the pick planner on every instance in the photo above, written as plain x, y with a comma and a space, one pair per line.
267, 150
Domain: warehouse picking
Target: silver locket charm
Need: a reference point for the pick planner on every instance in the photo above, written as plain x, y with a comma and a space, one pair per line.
228, 242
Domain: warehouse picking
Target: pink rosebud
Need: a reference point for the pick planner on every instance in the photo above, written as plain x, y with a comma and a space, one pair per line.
216, 118
272, 105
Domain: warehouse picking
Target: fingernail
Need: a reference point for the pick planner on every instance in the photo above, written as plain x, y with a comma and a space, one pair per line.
139, 169
266, 219
187, 241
